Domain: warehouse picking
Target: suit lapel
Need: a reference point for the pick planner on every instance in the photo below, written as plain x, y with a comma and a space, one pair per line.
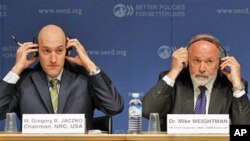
66, 81
188, 100
40, 80
217, 98
185, 93
215, 105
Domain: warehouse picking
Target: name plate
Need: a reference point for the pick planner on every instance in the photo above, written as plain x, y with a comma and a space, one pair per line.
53, 123
196, 124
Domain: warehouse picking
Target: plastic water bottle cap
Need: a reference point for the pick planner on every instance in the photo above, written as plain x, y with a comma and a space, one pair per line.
135, 94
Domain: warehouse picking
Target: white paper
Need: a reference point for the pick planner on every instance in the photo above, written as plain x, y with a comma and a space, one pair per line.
53, 123
198, 123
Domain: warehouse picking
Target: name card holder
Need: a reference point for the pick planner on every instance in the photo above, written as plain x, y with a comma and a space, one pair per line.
198, 123
54, 123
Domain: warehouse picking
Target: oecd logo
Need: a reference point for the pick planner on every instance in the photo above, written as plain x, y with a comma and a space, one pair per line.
120, 10
164, 52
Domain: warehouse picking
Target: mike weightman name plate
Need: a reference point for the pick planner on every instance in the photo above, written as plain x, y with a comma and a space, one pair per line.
198, 123
53, 123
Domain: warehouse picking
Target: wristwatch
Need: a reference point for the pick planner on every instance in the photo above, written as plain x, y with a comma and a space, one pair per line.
240, 87
95, 72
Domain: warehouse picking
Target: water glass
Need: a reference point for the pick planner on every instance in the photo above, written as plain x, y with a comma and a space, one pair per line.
10, 123
154, 123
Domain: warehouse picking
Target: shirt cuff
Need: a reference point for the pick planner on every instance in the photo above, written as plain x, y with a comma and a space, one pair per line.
169, 81
11, 78
239, 93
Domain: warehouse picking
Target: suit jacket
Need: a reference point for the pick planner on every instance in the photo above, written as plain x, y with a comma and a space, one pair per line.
79, 93
164, 99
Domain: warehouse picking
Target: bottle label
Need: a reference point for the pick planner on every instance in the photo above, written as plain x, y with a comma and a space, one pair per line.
135, 110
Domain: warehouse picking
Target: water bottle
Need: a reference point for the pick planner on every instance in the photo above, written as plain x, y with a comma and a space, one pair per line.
135, 115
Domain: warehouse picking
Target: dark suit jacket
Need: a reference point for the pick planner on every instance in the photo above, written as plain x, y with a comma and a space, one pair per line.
79, 93
164, 99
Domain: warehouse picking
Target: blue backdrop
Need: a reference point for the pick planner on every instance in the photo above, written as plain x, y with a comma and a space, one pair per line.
132, 41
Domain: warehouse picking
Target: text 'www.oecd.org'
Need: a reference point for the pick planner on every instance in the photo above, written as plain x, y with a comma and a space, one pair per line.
60, 11
233, 11
113, 52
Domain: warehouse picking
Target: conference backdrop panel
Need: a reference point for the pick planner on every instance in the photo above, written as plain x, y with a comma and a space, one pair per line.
131, 40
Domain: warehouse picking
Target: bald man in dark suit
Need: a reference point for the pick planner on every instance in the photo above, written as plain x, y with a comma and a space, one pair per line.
81, 86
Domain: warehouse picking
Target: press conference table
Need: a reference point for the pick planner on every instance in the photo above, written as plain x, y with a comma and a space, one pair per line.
110, 137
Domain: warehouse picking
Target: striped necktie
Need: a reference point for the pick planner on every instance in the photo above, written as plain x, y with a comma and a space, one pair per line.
200, 107
54, 94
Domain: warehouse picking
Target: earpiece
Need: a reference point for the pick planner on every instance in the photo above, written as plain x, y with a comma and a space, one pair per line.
35, 42
68, 50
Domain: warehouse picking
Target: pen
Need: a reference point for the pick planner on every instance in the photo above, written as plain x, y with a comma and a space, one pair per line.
14, 38
29, 55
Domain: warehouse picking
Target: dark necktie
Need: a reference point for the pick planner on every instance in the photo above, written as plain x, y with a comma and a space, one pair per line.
54, 94
200, 107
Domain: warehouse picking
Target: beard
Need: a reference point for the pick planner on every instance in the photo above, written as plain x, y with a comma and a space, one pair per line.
202, 79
